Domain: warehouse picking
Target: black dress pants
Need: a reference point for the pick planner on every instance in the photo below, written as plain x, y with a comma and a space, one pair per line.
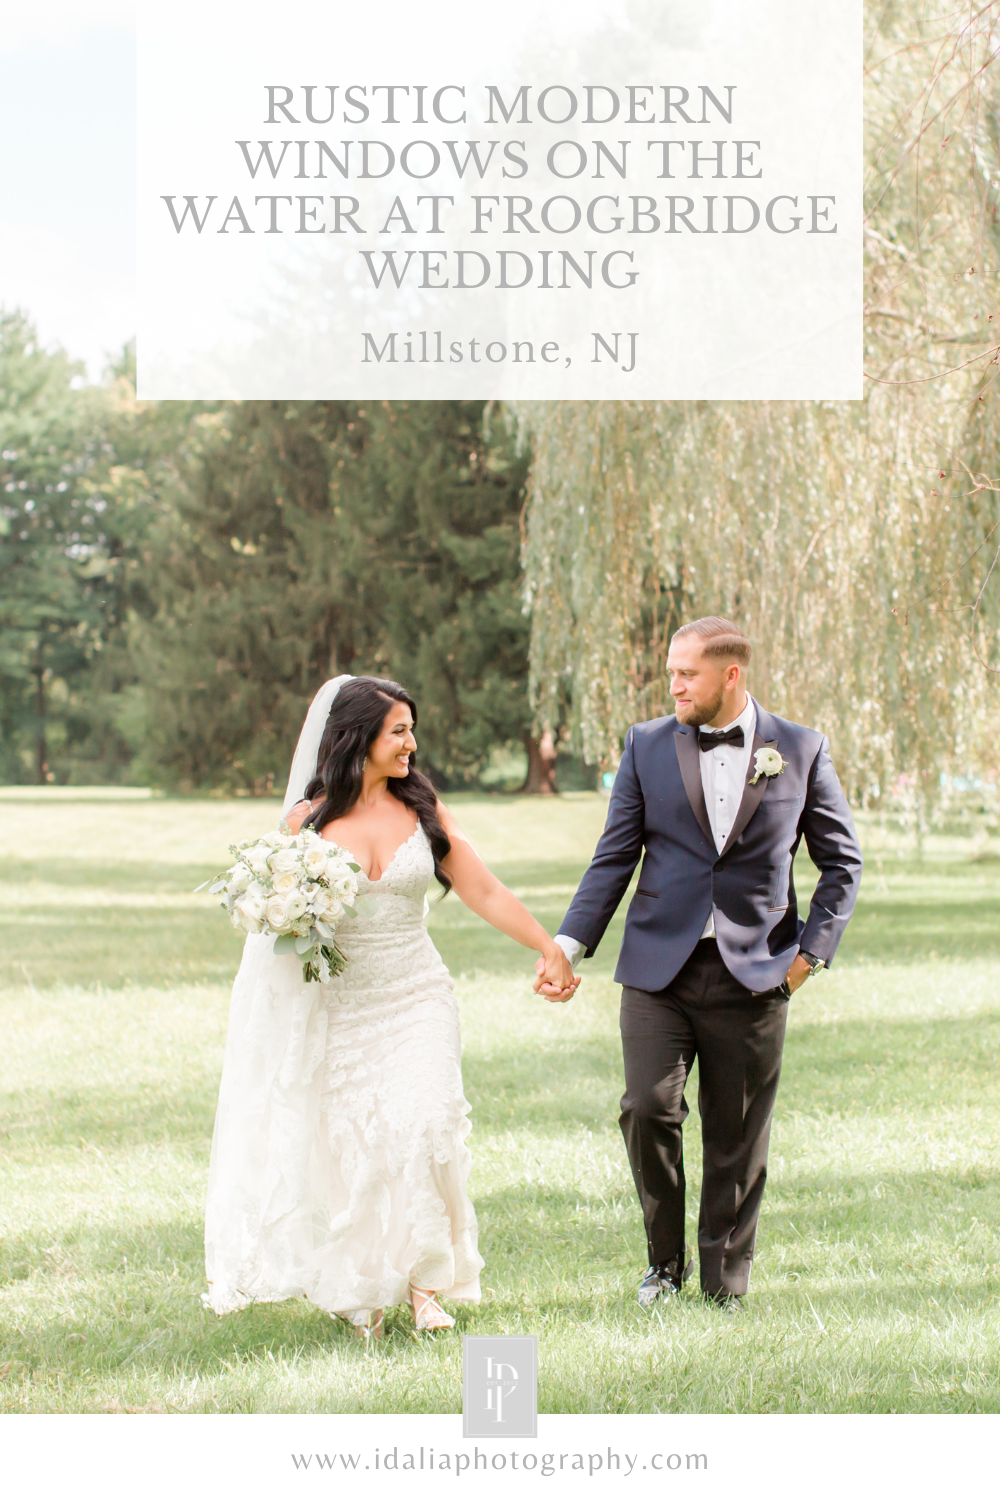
737, 1037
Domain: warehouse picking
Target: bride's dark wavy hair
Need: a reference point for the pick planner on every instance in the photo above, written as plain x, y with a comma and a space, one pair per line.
354, 724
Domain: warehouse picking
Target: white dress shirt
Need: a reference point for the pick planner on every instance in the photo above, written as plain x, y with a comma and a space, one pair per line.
723, 778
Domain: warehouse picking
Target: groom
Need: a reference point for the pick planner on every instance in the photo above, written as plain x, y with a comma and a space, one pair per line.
714, 801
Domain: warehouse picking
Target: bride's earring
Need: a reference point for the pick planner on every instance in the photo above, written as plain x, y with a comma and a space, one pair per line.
364, 765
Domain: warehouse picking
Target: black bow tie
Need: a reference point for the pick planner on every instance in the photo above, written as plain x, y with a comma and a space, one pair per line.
709, 738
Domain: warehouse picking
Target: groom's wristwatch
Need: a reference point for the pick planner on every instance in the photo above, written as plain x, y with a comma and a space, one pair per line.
815, 964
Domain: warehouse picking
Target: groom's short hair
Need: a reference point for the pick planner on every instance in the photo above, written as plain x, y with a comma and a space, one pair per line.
720, 638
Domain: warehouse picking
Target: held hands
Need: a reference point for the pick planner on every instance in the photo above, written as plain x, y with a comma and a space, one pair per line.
556, 980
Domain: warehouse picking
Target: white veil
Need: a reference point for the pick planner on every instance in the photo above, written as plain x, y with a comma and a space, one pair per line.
307, 750
266, 1124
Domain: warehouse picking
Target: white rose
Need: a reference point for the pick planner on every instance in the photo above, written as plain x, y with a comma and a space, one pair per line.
314, 861
345, 885
295, 905
254, 902
333, 909
246, 917
257, 860
270, 840
284, 883
277, 912
283, 861
240, 878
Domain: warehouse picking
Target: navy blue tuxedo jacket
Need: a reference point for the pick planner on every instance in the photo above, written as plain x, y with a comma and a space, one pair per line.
658, 814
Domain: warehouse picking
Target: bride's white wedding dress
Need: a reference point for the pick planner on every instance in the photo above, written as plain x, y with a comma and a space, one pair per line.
339, 1163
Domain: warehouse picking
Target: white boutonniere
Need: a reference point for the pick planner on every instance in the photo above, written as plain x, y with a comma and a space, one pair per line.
767, 762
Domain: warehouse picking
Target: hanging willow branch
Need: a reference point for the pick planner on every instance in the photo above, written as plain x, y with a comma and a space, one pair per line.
814, 524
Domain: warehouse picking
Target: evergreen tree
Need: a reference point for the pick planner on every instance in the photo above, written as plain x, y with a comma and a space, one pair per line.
241, 629
56, 549
295, 540
428, 508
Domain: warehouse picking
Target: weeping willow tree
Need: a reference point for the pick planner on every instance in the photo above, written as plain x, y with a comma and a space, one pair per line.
853, 541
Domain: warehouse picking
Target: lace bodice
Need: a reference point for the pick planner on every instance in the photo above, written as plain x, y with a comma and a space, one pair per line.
391, 946
400, 890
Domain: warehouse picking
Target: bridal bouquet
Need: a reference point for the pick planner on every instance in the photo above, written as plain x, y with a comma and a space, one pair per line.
300, 887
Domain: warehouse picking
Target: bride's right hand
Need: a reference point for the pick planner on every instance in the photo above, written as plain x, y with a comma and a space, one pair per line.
556, 980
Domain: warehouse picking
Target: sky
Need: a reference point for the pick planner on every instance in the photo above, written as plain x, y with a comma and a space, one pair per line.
67, 173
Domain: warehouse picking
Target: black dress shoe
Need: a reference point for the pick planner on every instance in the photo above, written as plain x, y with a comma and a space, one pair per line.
663, 1280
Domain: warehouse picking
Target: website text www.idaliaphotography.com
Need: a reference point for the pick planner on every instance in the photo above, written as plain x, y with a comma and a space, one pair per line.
459, 1464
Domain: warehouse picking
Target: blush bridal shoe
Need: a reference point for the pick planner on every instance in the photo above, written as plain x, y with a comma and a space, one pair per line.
365, 1324
428, 1313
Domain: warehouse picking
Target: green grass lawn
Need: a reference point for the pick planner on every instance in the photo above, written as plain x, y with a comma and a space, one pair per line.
877, 1279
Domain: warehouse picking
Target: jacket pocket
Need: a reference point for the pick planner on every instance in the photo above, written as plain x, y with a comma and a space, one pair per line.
640, 892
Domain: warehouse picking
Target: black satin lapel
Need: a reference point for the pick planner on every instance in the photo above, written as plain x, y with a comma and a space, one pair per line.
752, 795
686, 745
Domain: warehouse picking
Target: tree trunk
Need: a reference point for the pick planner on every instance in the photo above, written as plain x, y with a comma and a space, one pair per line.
541, 778
341, 656
41, 749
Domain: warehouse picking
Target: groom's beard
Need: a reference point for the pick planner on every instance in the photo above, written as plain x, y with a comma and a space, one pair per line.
697, 714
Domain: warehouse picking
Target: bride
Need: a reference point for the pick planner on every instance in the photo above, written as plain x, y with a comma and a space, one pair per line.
339, 1164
